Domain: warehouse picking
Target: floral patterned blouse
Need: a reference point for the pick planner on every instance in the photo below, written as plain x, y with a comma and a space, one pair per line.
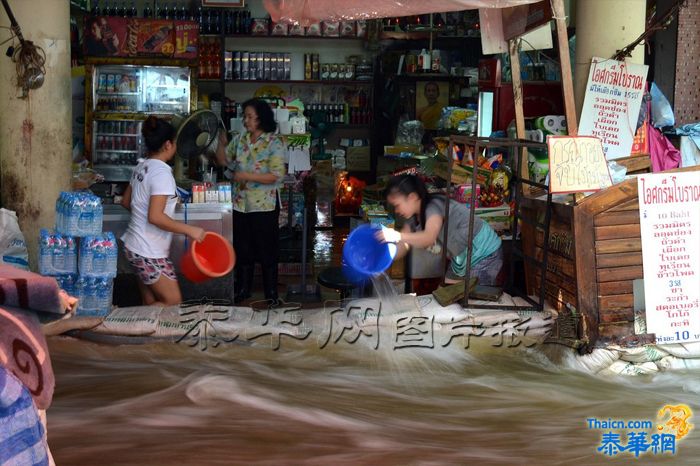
264, 155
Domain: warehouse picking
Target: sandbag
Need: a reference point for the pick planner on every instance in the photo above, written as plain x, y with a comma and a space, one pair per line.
620, 367
672, 362
682, 350
597, 360
640, 354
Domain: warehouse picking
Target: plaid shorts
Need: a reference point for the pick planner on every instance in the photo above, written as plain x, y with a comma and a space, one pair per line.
149, 270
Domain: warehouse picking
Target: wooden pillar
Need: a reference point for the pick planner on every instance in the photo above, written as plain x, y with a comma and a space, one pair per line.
514, 53
567, 81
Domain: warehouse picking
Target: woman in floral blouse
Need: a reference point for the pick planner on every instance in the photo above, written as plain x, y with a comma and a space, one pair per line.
254, 162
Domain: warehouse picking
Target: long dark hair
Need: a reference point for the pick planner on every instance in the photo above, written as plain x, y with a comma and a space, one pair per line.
265, 115
410, 184
156, 131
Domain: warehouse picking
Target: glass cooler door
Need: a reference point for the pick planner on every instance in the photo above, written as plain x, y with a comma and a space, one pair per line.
116, 148
117, 89
167, 90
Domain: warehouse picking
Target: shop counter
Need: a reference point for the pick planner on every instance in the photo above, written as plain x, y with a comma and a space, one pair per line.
214, 217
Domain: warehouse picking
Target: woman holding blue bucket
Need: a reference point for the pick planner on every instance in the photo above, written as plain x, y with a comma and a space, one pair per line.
424, 228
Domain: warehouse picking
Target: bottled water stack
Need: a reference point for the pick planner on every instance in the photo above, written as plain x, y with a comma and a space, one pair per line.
89, 275
78, 214
58, 254
94, 295
98, 256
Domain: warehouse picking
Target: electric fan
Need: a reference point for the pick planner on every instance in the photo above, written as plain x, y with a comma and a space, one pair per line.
197, 135
319, 129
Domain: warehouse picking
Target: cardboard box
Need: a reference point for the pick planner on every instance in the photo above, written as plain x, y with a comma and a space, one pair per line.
358, 159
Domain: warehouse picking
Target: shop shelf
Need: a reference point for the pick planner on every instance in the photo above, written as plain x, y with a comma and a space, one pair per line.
300, 81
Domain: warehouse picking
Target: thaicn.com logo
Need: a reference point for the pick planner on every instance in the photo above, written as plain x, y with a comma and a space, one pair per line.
644, 437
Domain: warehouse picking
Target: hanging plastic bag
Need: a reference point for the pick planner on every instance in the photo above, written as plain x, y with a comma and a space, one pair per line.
663, 155
13, 249
661, 111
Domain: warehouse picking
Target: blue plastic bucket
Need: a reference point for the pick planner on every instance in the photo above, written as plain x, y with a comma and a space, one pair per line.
364, 255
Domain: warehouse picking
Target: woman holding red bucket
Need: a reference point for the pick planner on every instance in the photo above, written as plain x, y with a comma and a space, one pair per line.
151, 197
424, 229
254, 161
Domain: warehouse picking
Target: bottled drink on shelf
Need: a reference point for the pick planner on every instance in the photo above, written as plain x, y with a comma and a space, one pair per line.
121, 10
96, 11
147, 12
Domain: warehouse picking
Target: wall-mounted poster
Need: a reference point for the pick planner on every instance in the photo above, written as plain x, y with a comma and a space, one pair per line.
109, 36
431, 97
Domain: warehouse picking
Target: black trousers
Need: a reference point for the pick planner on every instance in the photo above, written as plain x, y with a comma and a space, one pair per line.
256, 238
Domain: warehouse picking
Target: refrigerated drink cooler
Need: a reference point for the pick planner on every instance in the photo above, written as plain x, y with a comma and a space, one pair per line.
121, 97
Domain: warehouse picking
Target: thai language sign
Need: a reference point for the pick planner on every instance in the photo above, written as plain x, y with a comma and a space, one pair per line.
611, 107
577, 164
669, 215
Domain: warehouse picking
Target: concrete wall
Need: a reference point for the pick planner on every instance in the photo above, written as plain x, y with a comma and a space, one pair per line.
35, 133
602, 28
663, 51
687, 91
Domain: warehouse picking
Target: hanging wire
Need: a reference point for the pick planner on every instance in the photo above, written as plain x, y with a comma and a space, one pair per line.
29, 59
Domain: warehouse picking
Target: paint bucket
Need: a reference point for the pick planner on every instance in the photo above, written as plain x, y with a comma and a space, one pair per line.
213, 257
364, 255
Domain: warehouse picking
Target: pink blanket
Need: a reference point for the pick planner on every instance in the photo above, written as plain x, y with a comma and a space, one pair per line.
27, 290
23, 349
24, 353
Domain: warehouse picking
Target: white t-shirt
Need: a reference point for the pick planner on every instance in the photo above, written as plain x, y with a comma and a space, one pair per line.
150, 178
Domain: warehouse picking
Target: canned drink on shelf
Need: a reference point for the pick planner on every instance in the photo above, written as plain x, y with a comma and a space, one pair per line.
102, 83
110, 83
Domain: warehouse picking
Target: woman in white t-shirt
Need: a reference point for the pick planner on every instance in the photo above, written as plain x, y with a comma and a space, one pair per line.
151, 197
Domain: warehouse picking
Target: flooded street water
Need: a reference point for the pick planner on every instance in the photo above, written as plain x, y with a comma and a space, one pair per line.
161, 404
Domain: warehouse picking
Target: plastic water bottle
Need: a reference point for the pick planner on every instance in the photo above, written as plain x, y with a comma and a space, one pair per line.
59, 215
89, 296
71, 257
84, 216
98, 214
112, 253
58, 251
104, 295
79, 287
99, 258
67, 283
45, 253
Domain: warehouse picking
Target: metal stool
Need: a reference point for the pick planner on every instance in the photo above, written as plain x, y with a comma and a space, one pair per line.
333, 277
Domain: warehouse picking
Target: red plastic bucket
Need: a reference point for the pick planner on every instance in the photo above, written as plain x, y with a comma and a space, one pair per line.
214, 257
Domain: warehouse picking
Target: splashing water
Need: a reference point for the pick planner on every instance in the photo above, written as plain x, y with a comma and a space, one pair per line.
345, 403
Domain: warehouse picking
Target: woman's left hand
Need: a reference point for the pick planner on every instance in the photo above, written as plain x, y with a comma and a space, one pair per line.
388, 235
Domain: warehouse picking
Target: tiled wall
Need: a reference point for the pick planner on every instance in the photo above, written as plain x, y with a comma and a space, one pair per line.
687, 94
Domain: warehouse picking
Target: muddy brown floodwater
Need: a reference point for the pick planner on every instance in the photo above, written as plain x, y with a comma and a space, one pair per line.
162, 404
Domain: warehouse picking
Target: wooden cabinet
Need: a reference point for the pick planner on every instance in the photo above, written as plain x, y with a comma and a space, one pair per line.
595, 254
